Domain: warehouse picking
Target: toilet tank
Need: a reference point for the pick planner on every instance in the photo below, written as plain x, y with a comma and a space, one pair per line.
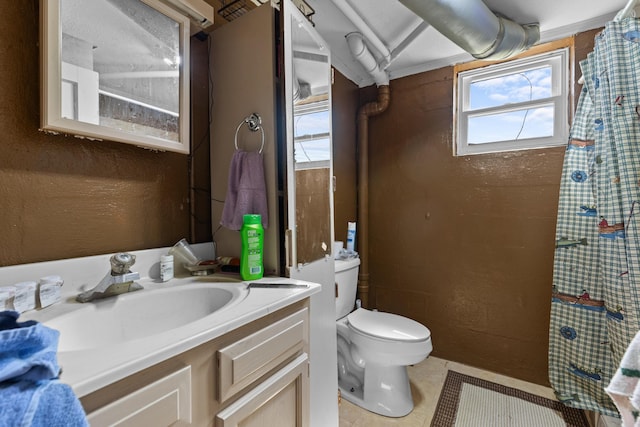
347, 283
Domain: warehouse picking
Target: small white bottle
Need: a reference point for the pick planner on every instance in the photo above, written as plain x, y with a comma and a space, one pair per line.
351, 236
166, 268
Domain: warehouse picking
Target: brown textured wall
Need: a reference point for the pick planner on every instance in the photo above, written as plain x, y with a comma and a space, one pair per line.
344, 94
65, 197
313, 226
464, 245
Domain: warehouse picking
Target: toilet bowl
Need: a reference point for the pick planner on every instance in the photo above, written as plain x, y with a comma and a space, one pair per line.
374, 349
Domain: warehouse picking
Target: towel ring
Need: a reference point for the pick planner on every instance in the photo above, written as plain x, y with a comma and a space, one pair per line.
254, 122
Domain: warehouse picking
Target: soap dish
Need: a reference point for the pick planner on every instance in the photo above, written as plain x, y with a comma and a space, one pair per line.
203, 269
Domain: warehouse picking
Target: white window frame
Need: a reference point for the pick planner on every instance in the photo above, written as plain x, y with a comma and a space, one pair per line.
560, 72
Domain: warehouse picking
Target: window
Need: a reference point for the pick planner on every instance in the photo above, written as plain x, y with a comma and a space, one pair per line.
514, 105
312, 136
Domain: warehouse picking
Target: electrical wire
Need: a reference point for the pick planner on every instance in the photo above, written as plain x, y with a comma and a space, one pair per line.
206, 137
526, 113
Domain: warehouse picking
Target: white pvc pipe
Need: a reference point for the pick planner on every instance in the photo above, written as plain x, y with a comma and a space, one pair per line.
364, 28
359, 50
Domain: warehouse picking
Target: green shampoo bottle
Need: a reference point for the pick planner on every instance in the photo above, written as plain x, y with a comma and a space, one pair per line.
252, 235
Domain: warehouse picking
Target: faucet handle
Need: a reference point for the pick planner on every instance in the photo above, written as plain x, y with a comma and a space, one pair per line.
121, 262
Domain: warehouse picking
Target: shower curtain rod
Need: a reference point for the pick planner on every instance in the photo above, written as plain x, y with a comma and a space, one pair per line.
625, 12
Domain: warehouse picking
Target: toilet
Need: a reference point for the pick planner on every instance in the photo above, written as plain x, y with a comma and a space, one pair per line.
374, 349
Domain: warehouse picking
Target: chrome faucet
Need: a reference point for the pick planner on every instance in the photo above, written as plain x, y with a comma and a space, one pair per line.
118, 281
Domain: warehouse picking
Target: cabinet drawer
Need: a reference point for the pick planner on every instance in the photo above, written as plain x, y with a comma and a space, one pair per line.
166, 402
248, 359
278, 401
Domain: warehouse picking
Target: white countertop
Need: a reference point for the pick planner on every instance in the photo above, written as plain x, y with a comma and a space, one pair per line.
96, 365
88, 370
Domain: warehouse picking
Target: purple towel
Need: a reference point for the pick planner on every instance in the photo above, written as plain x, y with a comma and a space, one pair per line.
247, 191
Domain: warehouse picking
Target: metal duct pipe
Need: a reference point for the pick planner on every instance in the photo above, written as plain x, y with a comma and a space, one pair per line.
475, 28
359, 50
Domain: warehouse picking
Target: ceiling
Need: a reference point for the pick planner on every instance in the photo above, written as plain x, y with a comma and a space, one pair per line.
392, 22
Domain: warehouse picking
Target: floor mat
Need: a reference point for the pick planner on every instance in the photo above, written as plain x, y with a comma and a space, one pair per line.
467, 401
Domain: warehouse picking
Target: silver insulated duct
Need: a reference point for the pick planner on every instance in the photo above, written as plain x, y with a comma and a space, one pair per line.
475, 28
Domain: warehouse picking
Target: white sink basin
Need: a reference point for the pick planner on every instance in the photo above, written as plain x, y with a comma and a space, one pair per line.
141, 314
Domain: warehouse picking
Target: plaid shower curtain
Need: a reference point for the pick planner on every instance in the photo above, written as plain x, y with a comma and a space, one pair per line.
595, 303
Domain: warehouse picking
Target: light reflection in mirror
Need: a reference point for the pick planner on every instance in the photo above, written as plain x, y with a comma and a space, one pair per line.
134, 53
309, 117
312, 136
114, 69
311, 112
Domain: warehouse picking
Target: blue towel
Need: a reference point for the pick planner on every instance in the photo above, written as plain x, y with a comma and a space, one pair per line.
30, 393
47, 403
27, 349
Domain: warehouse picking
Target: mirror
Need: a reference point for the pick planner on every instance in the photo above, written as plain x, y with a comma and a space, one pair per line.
116, 70
308, 93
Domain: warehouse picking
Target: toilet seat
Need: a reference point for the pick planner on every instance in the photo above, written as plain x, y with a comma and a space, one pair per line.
387, 326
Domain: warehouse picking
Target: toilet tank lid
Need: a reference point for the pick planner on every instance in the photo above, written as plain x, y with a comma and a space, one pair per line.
346, 264
388, 326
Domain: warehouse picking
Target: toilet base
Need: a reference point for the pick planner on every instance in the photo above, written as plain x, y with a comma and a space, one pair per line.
386, 391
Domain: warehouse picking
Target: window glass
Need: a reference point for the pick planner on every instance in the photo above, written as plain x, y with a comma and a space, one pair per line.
312, 138
511, 126
513, 105
511, 88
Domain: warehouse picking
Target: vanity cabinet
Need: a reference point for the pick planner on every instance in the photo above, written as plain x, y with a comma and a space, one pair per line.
256, 375
164, 402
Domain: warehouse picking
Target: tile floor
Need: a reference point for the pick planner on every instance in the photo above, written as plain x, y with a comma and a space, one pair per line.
427, 379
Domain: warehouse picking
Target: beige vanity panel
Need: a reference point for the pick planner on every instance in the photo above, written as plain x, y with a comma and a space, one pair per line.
278, 401
282, 336
161, 403
242, 362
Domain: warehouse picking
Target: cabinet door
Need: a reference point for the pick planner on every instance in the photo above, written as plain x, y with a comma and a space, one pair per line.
248, 359
166, 402
280, 401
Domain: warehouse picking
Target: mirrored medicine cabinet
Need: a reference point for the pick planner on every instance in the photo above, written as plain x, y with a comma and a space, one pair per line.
308, 121
116, 70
